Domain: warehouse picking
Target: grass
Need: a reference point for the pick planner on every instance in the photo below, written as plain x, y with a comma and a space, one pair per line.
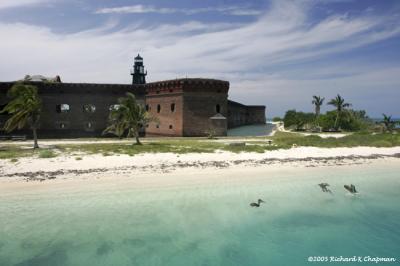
353, 140
14, 151
47, 154
281, 140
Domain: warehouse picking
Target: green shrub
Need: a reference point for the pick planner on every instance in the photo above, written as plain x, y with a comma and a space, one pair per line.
298, 119
381, 143
78, 158
14, 160
47, 154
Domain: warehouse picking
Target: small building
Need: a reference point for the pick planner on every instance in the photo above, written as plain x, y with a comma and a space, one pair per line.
183, 107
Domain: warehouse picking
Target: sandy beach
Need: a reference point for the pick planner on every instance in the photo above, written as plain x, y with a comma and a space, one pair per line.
158, 164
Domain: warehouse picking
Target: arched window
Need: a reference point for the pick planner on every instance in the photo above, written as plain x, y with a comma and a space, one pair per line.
62, 108
114, 107
89, 108
218, 108
170, 126
172, 107
158, 108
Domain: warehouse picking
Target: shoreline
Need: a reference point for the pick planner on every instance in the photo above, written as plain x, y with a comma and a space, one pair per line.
159, 164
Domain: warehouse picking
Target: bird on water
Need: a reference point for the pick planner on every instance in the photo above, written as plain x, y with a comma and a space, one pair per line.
257, 204
351, 188
324, 187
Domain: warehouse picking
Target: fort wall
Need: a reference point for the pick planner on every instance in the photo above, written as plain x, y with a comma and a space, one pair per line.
164, 102
181, 107
240, 114
72, 110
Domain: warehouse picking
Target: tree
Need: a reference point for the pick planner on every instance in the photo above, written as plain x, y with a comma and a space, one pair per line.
341, 106
297, 119
388, 122
317, 102
127, 116
24, 107
276, 119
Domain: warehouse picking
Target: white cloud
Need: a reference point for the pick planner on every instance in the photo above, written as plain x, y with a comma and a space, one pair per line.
20, 3
250, 56
137, 9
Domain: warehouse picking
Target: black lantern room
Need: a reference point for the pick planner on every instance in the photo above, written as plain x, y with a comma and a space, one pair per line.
138, 73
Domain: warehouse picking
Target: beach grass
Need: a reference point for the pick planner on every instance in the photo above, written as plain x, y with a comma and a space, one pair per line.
353, 140
47, 153
281, 140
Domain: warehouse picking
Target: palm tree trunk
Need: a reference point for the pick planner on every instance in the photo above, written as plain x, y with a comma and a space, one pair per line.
35, 141
137, 140
336, 120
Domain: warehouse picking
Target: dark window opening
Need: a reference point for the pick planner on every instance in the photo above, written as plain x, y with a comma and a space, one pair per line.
147, 107
89, 126
172, 107
157, 126
218, 108
170, 126
62, 108
2, 106
158, 108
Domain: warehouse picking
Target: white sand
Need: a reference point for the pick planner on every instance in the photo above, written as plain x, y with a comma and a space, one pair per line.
124, 165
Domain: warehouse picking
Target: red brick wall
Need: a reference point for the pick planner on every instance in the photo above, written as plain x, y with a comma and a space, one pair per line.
164, 94
195, 102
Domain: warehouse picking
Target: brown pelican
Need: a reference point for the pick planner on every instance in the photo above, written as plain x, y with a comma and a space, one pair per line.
351, 188
324, 187
254, 204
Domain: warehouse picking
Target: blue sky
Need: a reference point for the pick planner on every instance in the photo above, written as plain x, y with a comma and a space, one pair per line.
274, 52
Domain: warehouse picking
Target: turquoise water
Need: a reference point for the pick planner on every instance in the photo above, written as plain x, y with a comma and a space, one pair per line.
206, 224
251, 130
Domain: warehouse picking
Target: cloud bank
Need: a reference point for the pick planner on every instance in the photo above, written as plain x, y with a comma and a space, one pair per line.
19, 3
275, 60
138, 9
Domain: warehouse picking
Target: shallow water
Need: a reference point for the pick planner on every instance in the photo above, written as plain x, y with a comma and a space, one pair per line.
251, 130
207, 224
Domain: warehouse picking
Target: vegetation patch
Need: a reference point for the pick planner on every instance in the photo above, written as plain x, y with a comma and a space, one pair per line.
47, 154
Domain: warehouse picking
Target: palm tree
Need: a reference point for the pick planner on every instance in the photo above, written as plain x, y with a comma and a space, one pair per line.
388, 122
317, 102
129, 116
25, 108
340, 105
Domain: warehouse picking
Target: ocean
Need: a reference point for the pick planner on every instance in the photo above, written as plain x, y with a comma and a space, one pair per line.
208, 223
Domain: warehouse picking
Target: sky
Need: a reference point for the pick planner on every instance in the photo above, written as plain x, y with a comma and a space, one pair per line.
277, 53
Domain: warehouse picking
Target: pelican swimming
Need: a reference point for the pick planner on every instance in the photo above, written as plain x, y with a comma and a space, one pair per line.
351, 188
254, 204
324, 187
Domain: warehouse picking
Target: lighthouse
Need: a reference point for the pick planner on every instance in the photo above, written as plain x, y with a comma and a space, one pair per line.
138, 73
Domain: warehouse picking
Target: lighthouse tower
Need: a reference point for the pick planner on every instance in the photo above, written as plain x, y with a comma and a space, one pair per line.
138, 73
